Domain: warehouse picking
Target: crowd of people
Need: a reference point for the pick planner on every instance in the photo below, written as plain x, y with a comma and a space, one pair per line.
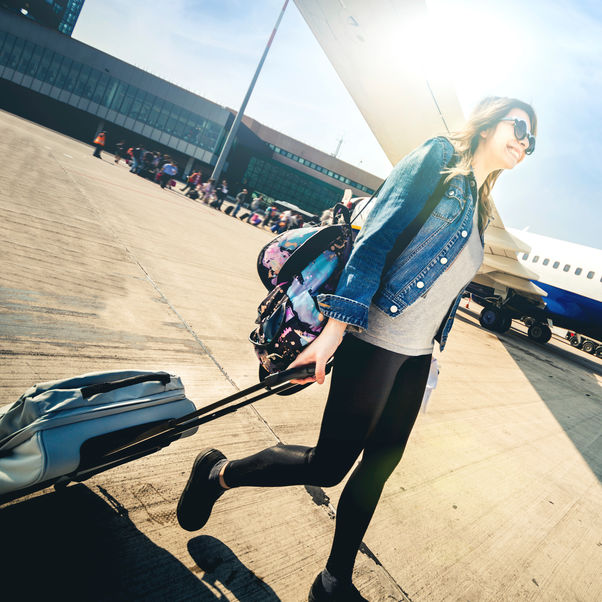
152, 165
253, 209
162, 169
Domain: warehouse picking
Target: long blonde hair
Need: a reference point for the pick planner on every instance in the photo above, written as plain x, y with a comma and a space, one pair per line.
485, 115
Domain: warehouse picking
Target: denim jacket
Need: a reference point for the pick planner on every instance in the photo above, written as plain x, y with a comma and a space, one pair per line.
444, 234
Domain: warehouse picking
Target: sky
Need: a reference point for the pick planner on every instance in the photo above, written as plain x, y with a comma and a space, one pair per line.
548, 53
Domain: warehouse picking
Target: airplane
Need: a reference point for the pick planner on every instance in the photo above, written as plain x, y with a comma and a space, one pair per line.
384, 55
571, 277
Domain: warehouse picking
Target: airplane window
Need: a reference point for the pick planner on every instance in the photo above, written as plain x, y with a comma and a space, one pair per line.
525, 256
578, 271
590, 275
566, 268
546, 261
535, 259
556, 264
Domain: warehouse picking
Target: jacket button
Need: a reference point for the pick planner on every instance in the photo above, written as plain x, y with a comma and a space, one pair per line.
464, 234
451, 193
420, 284
394, 309
443, 260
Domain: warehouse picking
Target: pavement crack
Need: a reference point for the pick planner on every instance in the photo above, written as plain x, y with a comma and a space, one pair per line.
111, 231
366, 551
185, 324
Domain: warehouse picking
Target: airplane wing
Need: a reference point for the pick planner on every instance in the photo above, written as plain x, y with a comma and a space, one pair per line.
376, 49
384, 53
501, 269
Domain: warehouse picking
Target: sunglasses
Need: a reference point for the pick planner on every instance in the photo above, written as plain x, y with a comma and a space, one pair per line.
521, 132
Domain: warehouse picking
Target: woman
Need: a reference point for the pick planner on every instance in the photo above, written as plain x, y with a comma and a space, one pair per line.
380, 370
208, 190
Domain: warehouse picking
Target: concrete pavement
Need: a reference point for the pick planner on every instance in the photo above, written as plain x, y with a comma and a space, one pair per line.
498, 496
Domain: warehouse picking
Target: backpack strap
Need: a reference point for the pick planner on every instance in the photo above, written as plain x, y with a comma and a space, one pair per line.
340, 209
308, 251
406, 237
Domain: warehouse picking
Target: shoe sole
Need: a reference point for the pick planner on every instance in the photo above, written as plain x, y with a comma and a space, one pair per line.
199, 459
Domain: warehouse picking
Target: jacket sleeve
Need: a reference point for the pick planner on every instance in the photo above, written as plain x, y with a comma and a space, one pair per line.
403, 195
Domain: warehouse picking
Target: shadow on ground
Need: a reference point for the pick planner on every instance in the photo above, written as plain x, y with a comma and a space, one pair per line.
223, 569
565, 379
76, 545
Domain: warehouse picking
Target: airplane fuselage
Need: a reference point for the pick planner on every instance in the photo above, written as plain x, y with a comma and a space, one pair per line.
571, 275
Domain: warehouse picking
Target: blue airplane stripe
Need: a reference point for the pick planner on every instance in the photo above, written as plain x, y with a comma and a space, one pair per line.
571, 305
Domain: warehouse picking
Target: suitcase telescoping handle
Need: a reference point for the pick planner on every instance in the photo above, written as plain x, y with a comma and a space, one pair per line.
90, 390
297, 373
275, 383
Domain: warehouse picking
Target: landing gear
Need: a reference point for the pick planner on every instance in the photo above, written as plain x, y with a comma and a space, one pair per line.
488, 318
540, 333
580, 342
505, 322
497, 320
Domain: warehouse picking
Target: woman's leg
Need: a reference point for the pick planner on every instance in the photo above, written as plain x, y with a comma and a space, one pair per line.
382, 453
362, 378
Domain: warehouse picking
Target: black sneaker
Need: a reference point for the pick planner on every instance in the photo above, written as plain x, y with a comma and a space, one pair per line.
199, 495
345, 593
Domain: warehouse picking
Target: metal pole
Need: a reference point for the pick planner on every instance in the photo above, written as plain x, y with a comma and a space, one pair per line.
217, 171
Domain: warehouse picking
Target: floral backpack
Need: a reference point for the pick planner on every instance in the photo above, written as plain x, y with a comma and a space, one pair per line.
300, 264
296, 267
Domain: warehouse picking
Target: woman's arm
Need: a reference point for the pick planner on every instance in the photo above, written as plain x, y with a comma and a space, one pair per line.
321, 350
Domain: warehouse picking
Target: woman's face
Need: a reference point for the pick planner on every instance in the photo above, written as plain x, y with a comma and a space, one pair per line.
501, 146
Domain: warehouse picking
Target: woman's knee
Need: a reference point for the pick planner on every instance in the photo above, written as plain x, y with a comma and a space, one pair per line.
380, 462
328, 469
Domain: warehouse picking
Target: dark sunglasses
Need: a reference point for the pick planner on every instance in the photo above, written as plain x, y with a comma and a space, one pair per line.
521, 132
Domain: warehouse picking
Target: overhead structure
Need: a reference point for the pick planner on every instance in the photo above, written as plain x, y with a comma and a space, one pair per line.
390, 61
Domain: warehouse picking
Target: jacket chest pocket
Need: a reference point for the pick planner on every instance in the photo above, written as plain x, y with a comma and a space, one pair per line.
450, 206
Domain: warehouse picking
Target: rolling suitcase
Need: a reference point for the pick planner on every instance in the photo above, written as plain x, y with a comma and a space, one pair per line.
70, 430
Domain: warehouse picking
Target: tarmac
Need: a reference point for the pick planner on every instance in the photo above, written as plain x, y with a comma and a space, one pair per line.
498, 496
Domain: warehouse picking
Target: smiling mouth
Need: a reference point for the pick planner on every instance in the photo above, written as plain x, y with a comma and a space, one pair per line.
514, 153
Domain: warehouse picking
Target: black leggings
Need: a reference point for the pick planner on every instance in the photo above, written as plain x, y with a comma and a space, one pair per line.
372, 405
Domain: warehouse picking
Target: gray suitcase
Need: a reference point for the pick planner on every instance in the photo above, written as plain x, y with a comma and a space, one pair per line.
59, 431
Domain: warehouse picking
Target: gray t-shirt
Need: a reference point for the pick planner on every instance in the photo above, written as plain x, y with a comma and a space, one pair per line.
413, 331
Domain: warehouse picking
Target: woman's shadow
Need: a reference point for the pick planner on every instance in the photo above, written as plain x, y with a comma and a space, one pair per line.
223, 569
77, 545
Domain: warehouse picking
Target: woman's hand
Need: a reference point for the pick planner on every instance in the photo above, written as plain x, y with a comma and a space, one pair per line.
320, 351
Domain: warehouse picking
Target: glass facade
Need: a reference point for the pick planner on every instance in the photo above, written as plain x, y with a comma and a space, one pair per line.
60, 15
286, 184
85, 82
70, 15
89, 86
319, 168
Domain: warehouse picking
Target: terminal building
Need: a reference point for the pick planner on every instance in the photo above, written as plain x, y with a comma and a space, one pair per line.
58, 14
78, 90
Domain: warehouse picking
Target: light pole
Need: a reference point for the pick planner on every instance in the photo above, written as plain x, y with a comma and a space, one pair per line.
217, 171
